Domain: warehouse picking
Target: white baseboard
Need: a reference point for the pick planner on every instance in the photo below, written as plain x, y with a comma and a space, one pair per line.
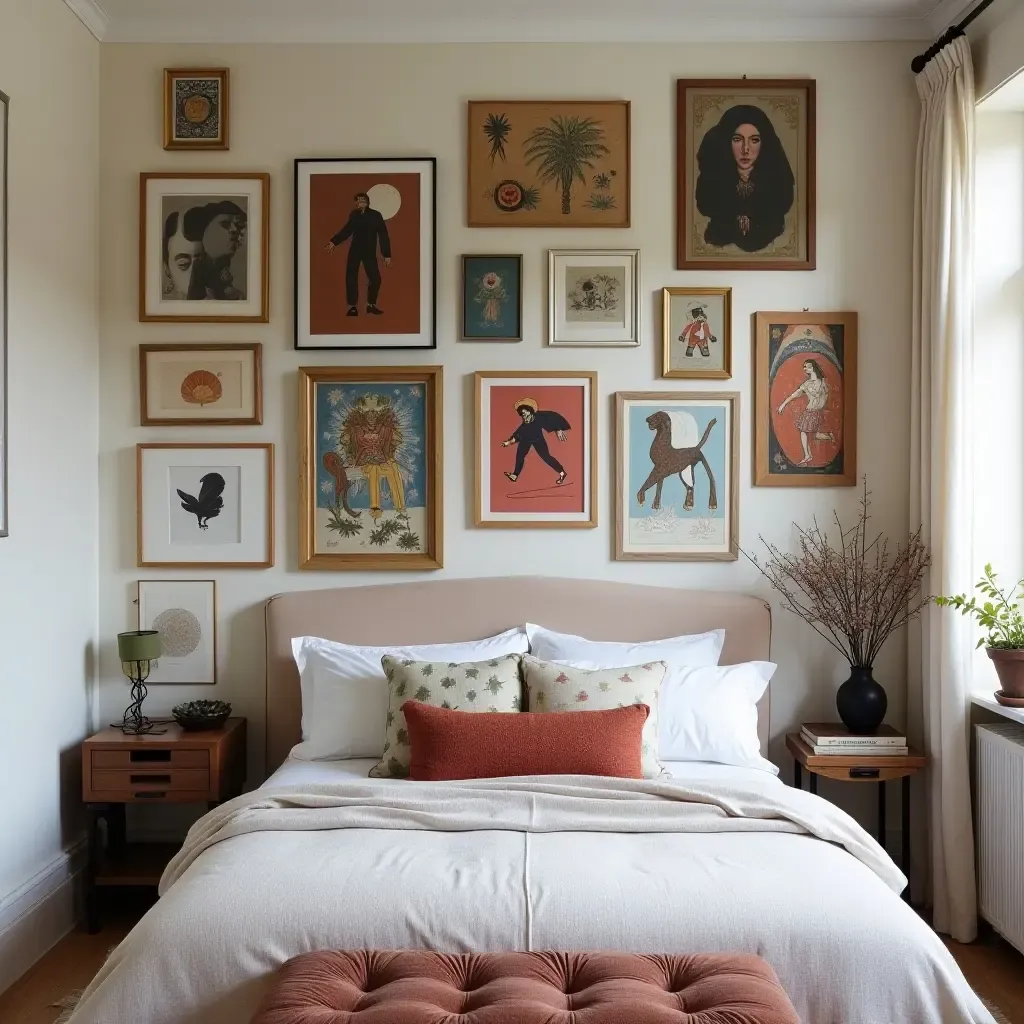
38, 914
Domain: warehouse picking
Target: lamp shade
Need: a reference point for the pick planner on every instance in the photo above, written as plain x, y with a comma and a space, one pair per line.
139, 645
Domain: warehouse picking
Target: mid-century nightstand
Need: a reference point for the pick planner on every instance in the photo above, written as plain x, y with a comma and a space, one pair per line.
176, 767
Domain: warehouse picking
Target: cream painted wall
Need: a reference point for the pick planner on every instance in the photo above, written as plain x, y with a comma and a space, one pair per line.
997, 45
49, 66
293, 100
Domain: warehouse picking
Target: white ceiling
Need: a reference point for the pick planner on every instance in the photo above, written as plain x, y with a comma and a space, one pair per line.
196, 21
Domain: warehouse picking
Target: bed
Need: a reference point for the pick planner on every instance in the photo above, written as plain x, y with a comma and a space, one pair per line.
712, 859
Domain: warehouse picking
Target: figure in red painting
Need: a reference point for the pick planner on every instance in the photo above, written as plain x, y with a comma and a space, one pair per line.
697, 333
811, 419
530, 434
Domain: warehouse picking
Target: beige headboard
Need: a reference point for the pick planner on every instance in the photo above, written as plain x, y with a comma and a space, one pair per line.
449, 610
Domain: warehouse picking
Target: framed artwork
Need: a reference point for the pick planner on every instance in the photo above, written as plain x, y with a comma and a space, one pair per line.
206, 504
196, 111
594, 297
492, 298
204, 248
371, 467
697, 333
536, 438
365, 253
184, 613
745, 174
201, 385
677, 476
4, 105
805, 399
548, 164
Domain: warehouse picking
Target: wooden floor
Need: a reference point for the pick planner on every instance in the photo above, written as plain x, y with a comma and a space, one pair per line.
992, 966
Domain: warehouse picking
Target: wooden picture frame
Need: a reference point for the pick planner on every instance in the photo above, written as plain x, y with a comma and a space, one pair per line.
689, 316
181, 623
513, 171
200, 382
649, 537
164, 520
748, 221
785, 344
197, 108
572, 500
586, 288
218, 225
343, 518
492, 276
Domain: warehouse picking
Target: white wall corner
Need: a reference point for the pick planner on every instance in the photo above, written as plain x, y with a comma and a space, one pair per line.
92, 15
38, 914
949, 12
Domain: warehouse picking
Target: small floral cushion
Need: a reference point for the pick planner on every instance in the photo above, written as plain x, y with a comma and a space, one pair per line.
553, 686
474, 686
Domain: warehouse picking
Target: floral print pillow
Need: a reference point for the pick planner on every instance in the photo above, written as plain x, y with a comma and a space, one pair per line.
555, 686
475, 686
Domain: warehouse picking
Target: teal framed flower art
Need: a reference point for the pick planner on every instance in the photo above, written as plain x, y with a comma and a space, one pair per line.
492, 298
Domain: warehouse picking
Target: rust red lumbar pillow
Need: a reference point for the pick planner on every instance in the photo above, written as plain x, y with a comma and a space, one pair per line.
449, 744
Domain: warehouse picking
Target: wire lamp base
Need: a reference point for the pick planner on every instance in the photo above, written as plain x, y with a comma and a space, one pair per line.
135, 723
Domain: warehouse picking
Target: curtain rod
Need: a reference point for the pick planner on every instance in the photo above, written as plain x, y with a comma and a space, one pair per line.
918, 64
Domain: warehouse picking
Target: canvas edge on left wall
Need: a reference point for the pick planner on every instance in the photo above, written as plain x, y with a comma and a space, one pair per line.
4, 434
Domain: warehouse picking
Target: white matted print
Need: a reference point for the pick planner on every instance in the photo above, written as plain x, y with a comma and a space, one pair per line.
206, 504
204, 248
184, 613
593, 297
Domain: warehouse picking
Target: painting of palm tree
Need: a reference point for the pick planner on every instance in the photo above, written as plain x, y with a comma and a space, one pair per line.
564, 150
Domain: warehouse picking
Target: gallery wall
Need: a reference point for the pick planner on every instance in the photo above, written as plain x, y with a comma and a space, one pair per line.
409, 100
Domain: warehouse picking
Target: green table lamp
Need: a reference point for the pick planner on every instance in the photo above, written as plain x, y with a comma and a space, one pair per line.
137, 649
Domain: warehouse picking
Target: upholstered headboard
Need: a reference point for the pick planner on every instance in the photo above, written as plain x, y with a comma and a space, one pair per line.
449, 610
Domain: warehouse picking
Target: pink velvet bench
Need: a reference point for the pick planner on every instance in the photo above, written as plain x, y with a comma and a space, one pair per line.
420, 987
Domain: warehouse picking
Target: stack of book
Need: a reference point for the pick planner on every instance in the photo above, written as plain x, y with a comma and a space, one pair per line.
827, 738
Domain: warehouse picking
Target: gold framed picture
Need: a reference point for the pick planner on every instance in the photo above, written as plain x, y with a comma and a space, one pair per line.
370, 459
548, 164
696, 333
204, 247
196, 108
805, 399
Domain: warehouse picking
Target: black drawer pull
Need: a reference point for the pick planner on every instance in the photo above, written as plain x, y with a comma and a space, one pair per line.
149, 780
150, 795
149, 755
864, 773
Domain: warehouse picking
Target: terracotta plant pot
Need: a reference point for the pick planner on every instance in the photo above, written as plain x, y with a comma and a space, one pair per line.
1010, 669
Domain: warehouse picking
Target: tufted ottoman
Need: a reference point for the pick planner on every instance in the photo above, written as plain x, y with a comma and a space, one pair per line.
420, 987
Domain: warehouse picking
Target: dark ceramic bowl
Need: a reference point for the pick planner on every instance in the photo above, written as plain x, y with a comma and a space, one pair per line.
200, 715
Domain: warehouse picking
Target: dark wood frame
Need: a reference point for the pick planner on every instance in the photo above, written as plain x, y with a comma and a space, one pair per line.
763, 477
683, 85
433, 254
466, 256
667, 295
224, 75
212, 421
432, 379
263, 316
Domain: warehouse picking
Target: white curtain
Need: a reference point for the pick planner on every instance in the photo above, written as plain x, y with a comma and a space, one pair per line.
941, 470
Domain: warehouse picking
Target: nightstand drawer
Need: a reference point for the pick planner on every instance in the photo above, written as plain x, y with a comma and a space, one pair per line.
154, 758
129, 785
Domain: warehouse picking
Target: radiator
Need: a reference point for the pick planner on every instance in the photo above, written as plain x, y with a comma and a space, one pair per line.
999, 806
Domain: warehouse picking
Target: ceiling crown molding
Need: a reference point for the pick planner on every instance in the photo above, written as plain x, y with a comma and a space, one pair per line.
92, 15
948, 12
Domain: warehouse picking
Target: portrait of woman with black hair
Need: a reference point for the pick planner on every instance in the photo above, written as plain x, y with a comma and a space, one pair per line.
745, 184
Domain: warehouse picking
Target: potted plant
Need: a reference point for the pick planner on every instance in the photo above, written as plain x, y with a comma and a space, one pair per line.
1000, 615
855, 594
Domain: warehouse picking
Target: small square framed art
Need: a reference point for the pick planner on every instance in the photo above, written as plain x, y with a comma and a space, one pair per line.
594, 297
196, 108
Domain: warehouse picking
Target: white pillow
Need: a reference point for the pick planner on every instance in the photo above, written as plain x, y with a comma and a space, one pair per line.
345, 692
710, 714
697, 650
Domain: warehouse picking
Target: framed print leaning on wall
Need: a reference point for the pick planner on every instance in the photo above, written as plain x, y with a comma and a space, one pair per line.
184, 613
4, 107
370, 458
677, 476
204, 247
365, 253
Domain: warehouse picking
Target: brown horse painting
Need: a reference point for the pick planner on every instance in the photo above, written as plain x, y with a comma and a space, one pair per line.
669, 461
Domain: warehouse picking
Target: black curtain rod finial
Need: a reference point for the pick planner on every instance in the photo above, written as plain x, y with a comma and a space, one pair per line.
919, 63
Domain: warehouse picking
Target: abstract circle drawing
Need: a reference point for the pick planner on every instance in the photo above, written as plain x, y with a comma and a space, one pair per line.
196, 109
180, 632
385, 199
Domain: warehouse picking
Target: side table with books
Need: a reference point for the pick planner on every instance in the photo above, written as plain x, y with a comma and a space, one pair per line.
832, 751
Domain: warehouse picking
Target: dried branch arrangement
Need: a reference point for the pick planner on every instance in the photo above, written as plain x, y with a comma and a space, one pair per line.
854, 594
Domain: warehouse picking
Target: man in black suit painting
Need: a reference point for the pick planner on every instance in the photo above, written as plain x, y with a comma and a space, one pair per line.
367, 229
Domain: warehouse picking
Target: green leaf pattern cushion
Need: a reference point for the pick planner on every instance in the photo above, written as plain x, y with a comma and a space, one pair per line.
551, 686
475, 686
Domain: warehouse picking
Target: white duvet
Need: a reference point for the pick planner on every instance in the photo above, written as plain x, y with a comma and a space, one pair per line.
696, 864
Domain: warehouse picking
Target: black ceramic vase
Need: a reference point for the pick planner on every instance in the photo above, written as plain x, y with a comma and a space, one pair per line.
861, 701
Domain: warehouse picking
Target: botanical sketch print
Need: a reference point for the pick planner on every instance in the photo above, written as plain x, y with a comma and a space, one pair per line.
371, 465
205, 505
205, 248
595, 295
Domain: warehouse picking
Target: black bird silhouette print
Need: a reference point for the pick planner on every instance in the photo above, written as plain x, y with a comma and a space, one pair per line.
209, 503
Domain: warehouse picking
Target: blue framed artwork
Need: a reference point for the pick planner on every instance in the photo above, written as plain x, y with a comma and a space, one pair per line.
677, 476
492, 298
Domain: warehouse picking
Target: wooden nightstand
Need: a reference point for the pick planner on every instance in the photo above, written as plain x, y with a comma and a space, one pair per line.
879, 768
176, 767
